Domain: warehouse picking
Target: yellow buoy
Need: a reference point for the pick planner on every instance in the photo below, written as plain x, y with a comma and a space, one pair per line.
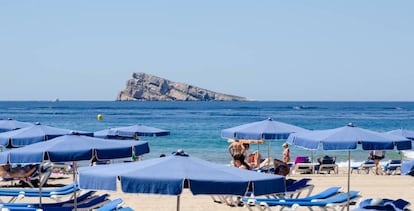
100, 117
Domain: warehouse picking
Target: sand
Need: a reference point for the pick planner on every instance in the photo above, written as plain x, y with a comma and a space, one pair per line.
369, 185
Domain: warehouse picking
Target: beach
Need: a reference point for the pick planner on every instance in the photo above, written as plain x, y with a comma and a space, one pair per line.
369, 185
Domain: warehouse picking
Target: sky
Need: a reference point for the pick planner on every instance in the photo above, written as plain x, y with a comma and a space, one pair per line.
268, 50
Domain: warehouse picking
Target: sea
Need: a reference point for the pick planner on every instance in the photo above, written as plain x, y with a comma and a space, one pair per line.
195, 126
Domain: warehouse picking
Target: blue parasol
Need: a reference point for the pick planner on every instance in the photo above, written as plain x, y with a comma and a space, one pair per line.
261, 130
402, 132
168, 175
33, 134
131, 132
348, 138
11, 124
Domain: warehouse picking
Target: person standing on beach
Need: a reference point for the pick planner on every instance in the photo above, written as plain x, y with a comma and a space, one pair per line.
286, 153
236, 148
377, 155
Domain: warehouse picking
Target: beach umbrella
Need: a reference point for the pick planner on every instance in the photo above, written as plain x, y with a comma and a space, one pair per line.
11, 124
348, 138
402, 132
170, 174
407, 167
72, 148
33, 134
130, 132
261, 130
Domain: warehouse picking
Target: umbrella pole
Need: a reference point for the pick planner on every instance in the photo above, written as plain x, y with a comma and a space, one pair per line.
75, 201
349, 180
40, 185
268, 154
178, 203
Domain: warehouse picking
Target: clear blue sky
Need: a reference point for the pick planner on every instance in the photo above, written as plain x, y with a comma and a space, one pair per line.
265, 50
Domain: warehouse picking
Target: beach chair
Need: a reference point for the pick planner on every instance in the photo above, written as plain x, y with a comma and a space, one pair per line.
295, 189
82, 205
327, 164
55, 193
61, 167
80, 198
393, 167
336, 202
366, 166
327, 193
302, 164
39, 177
382, 204
113, 205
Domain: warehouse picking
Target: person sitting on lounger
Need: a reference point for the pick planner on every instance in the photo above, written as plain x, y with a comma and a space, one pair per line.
281, 168
240, 163
254, 158
18, 172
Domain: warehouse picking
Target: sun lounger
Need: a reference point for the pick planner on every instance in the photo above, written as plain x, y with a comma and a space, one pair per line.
295, 189
335, 202
112, 205
55, 193
321, 195
80, 198
393, 167
366, 166
302, 164
382, 204
61, 167
327, 164
84, 204
298, 187
20, 209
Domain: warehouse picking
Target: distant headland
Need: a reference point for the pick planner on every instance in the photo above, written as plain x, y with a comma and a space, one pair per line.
146, 87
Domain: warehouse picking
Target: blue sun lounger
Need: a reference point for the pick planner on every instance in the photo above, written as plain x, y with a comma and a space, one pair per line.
295, 189
329, 192
385, 204
334, 202
114, 205
54, 193
80, 198
86, 204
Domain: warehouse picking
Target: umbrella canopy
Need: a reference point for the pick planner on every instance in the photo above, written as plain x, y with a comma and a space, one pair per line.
402, 132
407, 167
11, 124
73, 148
261, 130
133, 132
348, 138
32, 134
168, 175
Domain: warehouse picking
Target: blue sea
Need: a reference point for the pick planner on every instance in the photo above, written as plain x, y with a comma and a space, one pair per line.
195, 126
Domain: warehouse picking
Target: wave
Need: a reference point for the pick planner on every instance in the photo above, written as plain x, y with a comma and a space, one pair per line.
304, 107
393, 108
409, 155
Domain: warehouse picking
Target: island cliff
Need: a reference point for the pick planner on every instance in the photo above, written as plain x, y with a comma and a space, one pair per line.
147, 87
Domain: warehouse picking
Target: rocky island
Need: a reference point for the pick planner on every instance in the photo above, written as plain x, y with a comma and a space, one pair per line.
146, 87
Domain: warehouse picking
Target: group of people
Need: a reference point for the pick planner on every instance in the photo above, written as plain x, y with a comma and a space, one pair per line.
239, 152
